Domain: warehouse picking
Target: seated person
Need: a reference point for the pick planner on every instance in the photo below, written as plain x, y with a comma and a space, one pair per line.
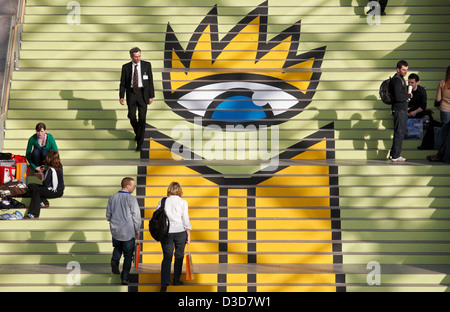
417, 108
52, 185
38, 146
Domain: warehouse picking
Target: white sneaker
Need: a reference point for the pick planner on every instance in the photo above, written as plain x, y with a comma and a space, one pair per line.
398, 159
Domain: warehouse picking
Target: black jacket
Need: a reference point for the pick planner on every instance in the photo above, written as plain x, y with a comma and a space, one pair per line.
399, 90
125, 80
48, 181
419, 99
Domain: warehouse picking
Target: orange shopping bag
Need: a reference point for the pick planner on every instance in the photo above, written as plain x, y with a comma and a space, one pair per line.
137, 255
189, 266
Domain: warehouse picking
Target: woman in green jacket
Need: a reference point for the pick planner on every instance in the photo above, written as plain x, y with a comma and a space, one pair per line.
38, 146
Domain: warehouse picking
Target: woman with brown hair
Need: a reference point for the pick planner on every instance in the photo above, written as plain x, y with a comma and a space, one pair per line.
442, 136
38, 146
180, 228
443, 98
52, 184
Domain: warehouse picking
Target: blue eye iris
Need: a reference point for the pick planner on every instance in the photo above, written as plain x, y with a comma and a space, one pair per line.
238, 109
224, 103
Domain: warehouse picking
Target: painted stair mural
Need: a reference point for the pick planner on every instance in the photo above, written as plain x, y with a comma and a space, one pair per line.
268, 115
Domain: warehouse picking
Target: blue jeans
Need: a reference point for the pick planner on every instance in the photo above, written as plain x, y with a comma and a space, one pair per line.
173, 241
127, 249
445, 117
38, 156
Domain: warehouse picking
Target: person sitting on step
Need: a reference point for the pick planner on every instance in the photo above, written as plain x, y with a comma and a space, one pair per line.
38, 146
52, 185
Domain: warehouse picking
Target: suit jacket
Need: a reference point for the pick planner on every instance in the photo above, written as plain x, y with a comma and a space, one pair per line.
147, 81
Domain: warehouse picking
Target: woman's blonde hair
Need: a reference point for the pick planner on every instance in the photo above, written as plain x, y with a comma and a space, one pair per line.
174, 189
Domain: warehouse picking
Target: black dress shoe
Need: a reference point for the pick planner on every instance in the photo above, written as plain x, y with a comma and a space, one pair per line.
163, 288
125, 282
138, 148
177, 283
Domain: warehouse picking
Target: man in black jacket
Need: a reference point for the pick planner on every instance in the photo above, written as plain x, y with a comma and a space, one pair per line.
399, 90
417, 107
136, 82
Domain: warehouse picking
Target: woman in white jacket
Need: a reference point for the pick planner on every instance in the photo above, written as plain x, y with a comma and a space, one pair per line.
180, 228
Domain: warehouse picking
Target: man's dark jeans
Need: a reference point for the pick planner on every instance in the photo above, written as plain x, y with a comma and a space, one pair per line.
400, 114
127, 249
175, 241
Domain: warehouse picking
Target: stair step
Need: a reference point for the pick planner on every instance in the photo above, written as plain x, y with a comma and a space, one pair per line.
54, 235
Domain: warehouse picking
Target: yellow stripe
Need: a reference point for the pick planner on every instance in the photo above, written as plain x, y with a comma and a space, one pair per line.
284, 211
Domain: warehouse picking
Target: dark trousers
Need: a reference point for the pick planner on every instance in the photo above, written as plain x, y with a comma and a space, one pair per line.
137, 103
127, 249
400, 114
38, 156
383, 4
428, 138
38, 193
175, 241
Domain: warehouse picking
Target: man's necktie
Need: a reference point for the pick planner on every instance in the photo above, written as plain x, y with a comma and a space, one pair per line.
135, 80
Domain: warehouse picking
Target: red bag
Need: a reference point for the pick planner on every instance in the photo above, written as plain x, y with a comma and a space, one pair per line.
7, 174
137, 255
19, 159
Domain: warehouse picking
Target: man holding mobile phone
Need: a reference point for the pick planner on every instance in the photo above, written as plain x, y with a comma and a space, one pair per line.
399, 90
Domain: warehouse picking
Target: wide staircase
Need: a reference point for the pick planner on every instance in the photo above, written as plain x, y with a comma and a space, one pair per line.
335, 215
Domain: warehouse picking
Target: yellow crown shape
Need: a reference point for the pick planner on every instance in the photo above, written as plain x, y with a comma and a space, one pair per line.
243, 50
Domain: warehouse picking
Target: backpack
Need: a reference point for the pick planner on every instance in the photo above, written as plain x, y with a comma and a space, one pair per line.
385, 92
159, 223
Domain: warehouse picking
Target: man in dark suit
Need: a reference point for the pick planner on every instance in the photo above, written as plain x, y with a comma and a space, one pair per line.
136, 82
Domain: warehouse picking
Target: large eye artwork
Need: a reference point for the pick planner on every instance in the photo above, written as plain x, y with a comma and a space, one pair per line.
237, 102
243, 78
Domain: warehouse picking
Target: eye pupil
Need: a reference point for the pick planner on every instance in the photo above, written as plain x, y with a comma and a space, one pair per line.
232, 102
238, 109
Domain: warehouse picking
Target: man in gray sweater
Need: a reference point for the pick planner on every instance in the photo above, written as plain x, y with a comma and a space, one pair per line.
124, 218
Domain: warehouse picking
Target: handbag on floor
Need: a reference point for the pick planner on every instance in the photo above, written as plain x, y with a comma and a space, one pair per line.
14, 189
